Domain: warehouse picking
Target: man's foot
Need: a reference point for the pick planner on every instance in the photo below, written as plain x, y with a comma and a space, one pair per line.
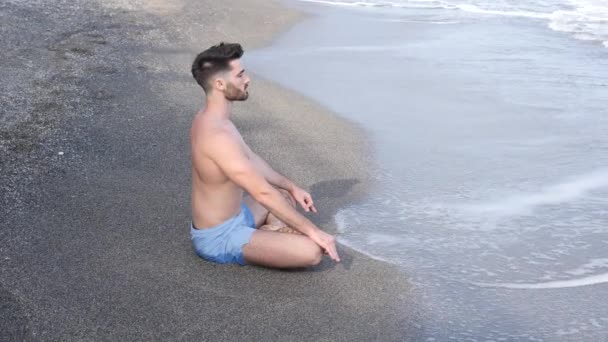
274, 224
280, 228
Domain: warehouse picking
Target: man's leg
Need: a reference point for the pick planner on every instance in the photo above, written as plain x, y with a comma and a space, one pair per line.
265, 220
260, 214
275, 224
272, 249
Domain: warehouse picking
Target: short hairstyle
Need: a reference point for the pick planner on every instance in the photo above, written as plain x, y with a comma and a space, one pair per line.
213, 60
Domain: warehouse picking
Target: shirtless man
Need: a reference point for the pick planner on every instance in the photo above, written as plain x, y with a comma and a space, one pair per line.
224, 225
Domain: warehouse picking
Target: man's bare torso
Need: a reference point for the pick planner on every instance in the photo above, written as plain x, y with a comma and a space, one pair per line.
215, 198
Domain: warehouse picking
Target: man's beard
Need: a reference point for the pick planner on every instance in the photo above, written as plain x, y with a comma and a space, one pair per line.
235, 94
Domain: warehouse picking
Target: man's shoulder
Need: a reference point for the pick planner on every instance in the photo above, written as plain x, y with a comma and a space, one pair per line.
205, 130
212, 138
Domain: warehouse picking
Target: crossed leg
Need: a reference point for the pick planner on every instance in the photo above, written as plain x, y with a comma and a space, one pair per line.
268, 247
274, 224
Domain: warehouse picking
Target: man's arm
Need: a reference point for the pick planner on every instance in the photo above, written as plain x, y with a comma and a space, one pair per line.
270, 174
302, 197
229, 155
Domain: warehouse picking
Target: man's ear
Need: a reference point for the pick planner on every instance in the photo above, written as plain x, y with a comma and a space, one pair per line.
219, 83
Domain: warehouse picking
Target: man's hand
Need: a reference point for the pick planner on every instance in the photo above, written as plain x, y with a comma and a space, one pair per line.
303, 198
327, 243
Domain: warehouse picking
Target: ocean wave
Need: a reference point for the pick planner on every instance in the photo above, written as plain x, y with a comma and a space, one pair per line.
588, 21
420, 4
349, 3
583, 19
589, 267
558, 284
433, 4
556, 194
436, 22
526, 14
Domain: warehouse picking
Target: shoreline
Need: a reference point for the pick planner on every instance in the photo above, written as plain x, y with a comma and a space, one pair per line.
473, 159
110, 213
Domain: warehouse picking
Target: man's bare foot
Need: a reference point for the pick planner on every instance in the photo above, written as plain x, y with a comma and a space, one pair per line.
280, 229
274, 224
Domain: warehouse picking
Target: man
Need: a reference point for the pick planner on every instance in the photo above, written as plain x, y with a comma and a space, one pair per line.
223, 167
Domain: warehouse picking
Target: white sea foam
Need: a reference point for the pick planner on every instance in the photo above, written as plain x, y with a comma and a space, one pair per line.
527, 14
587, 21
555, 194
348, 243
589, 267
558, 284
430, 4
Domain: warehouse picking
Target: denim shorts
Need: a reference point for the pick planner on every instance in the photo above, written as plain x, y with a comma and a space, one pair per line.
224, 243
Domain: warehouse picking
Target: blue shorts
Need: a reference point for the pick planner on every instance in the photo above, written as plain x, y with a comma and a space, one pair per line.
224, 243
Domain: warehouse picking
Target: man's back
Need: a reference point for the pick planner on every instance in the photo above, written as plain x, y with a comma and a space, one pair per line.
215, 198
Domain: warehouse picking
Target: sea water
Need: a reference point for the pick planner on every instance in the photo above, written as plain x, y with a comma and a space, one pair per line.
488, 124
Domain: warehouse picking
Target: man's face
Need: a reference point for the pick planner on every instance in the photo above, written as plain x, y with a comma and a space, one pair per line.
237, 82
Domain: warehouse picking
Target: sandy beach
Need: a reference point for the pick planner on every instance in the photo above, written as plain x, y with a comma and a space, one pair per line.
97, 101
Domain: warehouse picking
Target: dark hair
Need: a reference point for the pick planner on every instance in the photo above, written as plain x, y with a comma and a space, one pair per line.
214, 60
